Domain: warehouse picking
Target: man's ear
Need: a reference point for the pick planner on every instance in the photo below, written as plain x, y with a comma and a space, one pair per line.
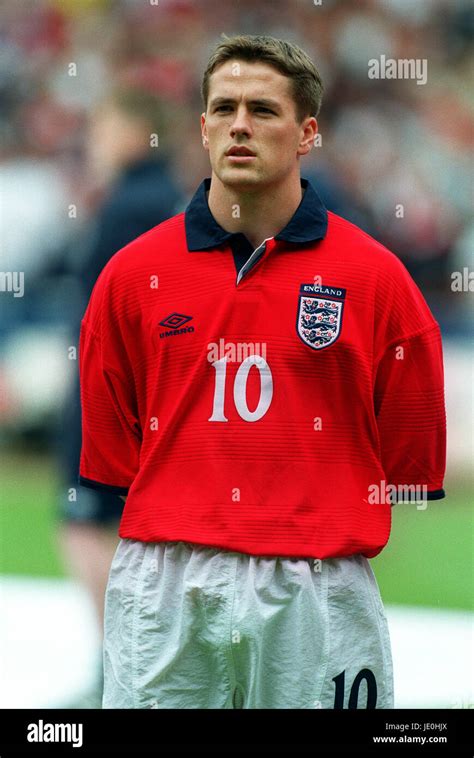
205, 140
309, 131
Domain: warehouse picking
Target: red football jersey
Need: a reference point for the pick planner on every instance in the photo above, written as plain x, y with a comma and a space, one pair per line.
267, 401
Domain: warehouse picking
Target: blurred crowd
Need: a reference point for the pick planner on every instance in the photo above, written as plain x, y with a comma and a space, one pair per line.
84, 83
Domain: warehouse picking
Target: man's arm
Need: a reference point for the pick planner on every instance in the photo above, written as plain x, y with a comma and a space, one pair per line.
110, 439
410, 411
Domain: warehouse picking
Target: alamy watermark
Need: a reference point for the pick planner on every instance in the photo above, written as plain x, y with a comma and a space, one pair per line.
237, 352
462, 281
382, 493
47, 732
12, 281
398, 68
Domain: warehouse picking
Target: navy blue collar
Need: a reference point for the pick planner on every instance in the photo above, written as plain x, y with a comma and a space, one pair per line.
309, 222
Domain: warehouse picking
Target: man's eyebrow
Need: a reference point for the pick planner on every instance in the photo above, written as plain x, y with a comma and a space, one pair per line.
257, 101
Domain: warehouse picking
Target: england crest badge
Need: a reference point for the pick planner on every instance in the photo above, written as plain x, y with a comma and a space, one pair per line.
319, 317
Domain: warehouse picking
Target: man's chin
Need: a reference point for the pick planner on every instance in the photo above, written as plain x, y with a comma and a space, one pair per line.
241, 178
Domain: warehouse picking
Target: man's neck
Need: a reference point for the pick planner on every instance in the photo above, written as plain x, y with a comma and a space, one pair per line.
257, 214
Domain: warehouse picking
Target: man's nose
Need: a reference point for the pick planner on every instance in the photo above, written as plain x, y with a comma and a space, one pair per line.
241, 123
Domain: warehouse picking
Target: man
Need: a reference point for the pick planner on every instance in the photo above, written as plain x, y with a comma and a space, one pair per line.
254, 373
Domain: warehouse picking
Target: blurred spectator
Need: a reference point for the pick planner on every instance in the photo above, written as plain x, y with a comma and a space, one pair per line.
139, 193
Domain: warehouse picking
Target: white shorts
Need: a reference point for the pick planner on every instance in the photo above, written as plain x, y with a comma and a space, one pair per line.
191, 626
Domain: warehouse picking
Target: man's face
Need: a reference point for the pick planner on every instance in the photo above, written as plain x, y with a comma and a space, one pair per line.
250, 105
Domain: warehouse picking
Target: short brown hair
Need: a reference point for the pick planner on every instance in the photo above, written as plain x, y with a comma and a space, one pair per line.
289, 59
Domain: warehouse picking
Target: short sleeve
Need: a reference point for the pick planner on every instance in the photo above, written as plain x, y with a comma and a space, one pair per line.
111, 434
409, 398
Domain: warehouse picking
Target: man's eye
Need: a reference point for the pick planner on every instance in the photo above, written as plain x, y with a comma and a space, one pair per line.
265, 110
222, 107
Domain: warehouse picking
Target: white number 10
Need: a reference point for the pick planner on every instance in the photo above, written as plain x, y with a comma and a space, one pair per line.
240, 389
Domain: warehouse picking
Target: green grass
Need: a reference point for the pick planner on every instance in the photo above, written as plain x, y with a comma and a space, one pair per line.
428, 560
28, 517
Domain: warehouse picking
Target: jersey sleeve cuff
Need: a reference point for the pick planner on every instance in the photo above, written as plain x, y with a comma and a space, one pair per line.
101, 486
435, 494
430, 495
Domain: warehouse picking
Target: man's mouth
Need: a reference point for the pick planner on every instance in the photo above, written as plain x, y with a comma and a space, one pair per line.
240, 151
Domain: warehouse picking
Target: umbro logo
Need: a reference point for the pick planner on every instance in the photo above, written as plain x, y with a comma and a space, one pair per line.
174, 322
